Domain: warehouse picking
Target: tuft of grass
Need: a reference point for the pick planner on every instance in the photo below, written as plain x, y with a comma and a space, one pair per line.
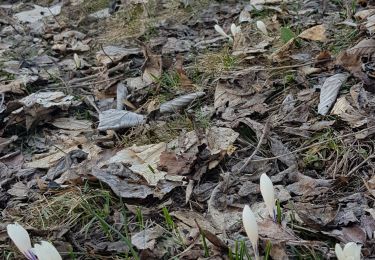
169, 80
158, 132
317, 156
213, 63
128, 22
92, 6
139, 217
343, 38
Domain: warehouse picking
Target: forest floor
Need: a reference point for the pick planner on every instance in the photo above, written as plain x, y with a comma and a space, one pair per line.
140, 131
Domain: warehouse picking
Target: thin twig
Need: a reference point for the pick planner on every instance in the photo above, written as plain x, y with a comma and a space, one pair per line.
54, 17
264, 133
79, 80
101, 47
360, 164
310, 146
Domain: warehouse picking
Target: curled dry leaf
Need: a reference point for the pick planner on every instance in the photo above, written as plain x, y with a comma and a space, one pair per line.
329, 92
179, 102
117, 119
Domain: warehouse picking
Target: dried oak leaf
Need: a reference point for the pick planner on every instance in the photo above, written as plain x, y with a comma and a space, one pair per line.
315, 33
174, 164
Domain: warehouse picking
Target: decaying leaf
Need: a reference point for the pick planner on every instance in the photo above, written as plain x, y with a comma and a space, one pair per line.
152, 68
38, 13
146, 239
282, 52
69, 123
175, 165
113, 54
348, 113
113, 175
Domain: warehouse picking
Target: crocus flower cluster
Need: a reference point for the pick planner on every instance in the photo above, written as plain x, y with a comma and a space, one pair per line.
42, 251
248, 217
234, 29
351, 251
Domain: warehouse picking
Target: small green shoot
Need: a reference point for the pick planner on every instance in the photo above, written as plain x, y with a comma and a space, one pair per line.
267, 250
278, 212
240, 251
109, 227
286, 34
206, 250
139, 217
151, 169
168, 80
168, 219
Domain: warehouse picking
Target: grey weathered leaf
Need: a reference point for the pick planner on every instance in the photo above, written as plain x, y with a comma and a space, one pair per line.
38, 13
329, 92
117, 119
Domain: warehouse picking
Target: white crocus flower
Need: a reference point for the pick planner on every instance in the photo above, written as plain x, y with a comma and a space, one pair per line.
251, 228
268, 194
351, 251
262, 27
46, 251
21, 239
221, 32
235, 29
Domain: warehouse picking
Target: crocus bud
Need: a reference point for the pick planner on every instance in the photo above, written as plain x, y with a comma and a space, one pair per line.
21, 239
235, 29
251, 228
268, 194
46, 251
262, 27
221, 32
351, 251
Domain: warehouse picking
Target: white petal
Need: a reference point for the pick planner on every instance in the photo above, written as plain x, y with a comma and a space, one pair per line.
46, 251
20, 237
352, 251
262, 27
339, 252
251, 227
235, 29
268, 194
221, 31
